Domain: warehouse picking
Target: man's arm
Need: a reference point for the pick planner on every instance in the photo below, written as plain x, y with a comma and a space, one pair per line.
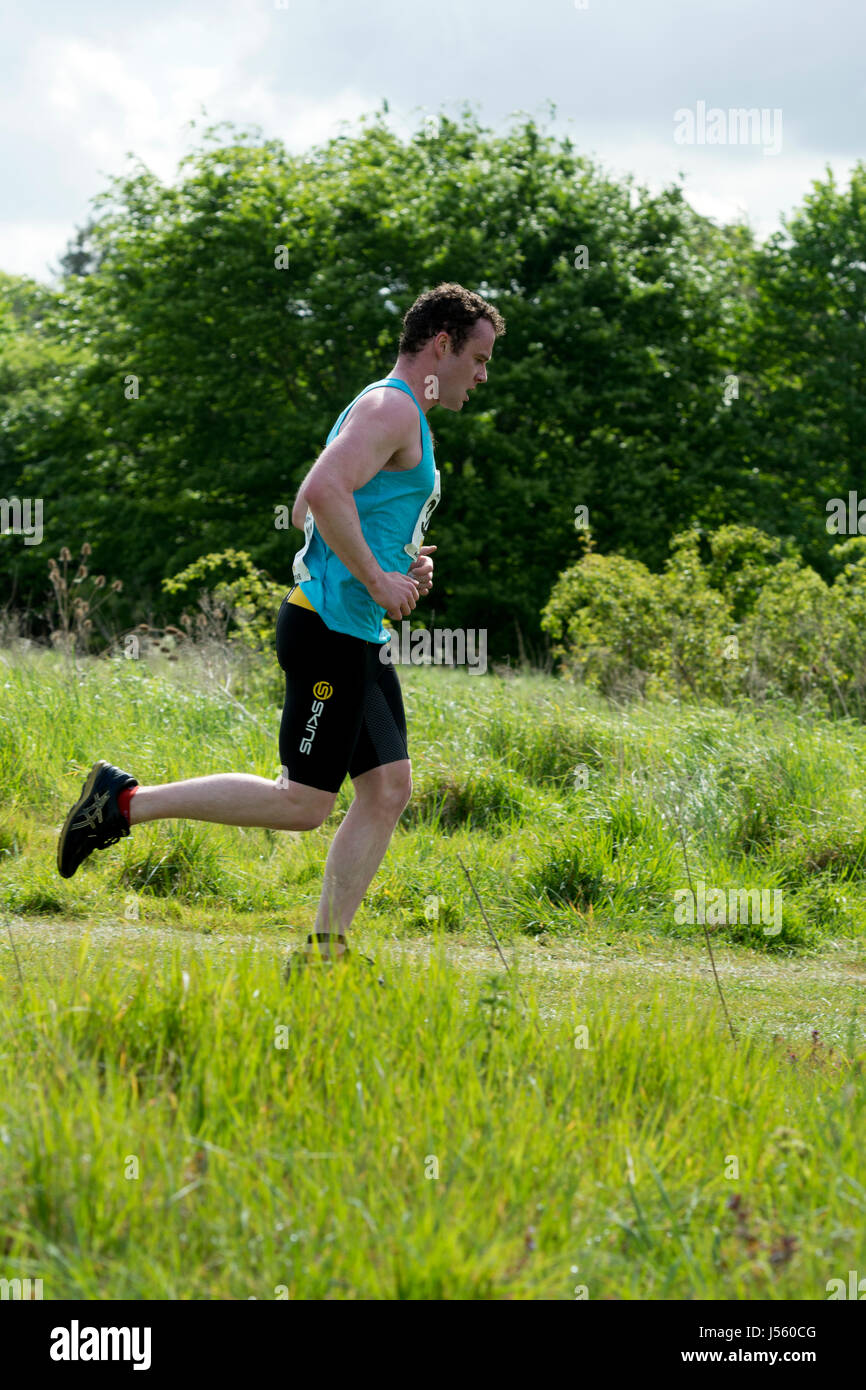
369, 438
299, 510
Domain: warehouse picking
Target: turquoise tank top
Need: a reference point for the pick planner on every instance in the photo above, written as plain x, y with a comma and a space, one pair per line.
394, 509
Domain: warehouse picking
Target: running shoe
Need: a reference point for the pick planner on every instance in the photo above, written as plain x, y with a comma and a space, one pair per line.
95, 821
311, 956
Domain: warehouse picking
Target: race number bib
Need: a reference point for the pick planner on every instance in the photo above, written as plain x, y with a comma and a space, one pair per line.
413, 547
299, 569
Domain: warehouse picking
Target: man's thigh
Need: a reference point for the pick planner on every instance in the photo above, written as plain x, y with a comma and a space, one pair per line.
382, 737
324, 704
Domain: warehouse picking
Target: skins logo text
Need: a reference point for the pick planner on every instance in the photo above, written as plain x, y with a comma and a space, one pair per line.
323, 690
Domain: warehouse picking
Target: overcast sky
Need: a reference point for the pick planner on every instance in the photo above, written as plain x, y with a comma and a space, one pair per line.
85, 82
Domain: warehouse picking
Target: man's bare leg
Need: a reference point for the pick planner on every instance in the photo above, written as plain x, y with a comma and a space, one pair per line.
359, 846
234, 798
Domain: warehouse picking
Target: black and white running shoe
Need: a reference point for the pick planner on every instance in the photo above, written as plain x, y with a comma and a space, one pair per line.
95, 821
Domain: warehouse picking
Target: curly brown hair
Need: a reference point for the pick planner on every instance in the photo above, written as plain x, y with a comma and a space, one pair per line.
448, 308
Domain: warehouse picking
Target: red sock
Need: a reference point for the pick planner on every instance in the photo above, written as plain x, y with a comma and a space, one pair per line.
123, 800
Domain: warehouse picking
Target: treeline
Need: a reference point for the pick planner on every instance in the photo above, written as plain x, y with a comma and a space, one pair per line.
658, 371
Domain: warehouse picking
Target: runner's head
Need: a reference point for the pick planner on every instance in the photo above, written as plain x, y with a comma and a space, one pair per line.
448, 334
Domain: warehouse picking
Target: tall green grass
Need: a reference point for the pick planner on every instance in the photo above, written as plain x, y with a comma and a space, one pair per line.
568, 807
177, 1124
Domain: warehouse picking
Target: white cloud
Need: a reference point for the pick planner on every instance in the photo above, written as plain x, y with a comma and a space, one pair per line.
117, 109
80, 89
313, 123
28, 247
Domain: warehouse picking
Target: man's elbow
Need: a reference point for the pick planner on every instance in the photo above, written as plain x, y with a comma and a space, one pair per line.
321, 493
306, 497
299, 510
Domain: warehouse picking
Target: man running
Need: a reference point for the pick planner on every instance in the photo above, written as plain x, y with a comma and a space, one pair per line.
364, 507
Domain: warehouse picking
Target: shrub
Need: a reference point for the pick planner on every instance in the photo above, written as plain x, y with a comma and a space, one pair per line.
788, 637
742, 560
250, 602
752, 621
695, 622
603, 617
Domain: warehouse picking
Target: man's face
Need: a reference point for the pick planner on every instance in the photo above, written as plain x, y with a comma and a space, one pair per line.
460, 373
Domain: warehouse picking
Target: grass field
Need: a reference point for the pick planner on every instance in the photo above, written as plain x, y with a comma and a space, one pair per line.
177, 1123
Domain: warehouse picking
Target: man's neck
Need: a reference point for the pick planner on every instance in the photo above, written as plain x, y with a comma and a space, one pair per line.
416, 379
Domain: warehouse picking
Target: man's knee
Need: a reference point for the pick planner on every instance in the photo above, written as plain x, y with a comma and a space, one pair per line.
400, 793
308, 808
386, 789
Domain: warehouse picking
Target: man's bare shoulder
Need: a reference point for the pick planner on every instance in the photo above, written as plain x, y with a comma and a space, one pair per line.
388, 409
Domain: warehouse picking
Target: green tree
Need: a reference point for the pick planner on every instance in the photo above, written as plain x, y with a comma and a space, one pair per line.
806, 350
194, 373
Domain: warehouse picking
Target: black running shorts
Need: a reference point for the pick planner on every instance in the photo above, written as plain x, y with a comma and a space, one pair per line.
344, 708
